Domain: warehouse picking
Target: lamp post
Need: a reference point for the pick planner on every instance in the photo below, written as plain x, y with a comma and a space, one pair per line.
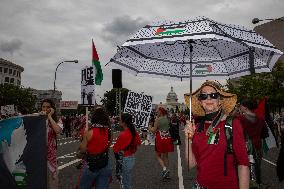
70, 61
257, 20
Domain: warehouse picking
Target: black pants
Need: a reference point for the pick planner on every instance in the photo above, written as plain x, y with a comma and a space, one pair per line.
68, 131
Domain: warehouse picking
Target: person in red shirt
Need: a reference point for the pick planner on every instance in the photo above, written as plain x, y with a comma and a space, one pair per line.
96, 142
206, 144
124, 150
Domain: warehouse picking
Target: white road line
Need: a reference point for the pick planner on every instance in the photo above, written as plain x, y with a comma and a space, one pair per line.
180, 177
66, 155
270, 162
68, 164
64, 138
67, 142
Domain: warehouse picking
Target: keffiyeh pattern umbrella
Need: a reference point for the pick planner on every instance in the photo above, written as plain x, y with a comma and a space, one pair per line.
162, 49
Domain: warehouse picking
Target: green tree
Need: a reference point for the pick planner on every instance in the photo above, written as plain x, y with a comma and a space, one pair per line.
109, 100
21, 97
257, 86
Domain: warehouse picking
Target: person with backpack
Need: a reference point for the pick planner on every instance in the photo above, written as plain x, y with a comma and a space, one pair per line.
216, 144
124, 150
95, 144
163, 140
255, 132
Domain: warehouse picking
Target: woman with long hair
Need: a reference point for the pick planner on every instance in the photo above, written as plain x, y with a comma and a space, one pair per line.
163, 141
125, 148
54, 127
96, 142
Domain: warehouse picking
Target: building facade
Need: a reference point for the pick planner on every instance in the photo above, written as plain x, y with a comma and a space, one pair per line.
40, 95
10, 72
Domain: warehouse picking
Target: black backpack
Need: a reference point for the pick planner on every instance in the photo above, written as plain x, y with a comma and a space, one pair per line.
229, 141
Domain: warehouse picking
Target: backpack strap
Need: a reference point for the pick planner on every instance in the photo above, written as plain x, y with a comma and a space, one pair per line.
229, 140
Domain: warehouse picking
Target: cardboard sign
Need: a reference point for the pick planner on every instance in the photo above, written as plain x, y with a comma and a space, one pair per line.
139, 106
87, 86
8, 110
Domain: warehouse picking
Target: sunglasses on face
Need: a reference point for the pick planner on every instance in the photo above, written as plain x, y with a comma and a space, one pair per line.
204, 96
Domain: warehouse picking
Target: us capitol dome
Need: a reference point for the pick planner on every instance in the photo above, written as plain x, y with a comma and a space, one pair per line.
172, 99
172, 103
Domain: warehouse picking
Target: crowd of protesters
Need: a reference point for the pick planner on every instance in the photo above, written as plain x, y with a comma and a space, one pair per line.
205, 145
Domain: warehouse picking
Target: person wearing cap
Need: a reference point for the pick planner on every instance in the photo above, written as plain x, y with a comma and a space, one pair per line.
206, 144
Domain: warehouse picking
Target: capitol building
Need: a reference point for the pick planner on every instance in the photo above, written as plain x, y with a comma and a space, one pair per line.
172, 103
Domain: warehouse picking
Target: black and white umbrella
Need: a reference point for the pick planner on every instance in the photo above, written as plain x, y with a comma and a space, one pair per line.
195, 48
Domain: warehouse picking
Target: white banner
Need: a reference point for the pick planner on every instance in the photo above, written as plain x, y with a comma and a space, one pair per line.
87, 86
139, 106
68, 105
8, 110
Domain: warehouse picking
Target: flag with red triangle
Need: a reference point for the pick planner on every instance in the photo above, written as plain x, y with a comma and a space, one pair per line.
97, 66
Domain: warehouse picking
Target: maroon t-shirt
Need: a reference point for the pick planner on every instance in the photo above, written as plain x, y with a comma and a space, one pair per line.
210, 157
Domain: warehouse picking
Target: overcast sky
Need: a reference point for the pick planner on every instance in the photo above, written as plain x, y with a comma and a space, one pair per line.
39, 34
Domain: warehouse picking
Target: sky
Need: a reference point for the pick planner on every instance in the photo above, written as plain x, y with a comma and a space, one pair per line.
39, 34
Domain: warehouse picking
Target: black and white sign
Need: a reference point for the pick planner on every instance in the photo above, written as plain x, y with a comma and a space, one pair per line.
139, 106
87, 86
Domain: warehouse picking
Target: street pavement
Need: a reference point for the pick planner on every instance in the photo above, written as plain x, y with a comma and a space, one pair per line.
147, 172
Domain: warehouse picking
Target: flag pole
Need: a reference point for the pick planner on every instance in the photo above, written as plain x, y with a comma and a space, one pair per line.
87, 118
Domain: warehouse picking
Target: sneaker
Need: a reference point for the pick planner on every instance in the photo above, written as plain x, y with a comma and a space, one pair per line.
175, 142
166, 174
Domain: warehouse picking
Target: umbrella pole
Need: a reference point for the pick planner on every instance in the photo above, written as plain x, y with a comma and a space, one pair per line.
190, 92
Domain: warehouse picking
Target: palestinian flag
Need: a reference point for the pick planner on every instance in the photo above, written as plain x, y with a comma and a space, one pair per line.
97, 66
23, 153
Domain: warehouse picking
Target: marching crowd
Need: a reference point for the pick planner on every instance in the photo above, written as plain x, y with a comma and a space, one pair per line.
224, 140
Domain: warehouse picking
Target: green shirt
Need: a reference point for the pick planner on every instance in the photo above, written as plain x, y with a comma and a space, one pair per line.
164, 123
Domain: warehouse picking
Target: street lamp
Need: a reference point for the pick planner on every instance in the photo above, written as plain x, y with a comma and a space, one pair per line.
70, 61
257, 20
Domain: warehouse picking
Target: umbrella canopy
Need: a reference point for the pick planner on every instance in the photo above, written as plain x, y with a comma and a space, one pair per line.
194, 49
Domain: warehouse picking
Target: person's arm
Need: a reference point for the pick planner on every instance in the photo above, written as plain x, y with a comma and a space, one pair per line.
189, 156
189, 132
243, 174
155, 127
57, 129
86, 137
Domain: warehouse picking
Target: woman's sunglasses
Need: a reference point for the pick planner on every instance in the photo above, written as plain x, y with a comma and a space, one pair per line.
204, 96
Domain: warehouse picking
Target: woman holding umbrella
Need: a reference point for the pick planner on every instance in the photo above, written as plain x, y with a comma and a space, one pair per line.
207, 143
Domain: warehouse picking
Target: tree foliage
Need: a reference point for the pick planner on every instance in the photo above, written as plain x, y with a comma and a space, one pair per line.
21, 97
258, 86
109, 100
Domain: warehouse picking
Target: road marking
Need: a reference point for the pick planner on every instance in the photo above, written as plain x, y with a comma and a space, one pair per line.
68, 164
64, 138
66, 155
67, 142
180, 177
270, 162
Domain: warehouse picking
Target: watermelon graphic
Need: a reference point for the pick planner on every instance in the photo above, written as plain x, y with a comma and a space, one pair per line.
169, 31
